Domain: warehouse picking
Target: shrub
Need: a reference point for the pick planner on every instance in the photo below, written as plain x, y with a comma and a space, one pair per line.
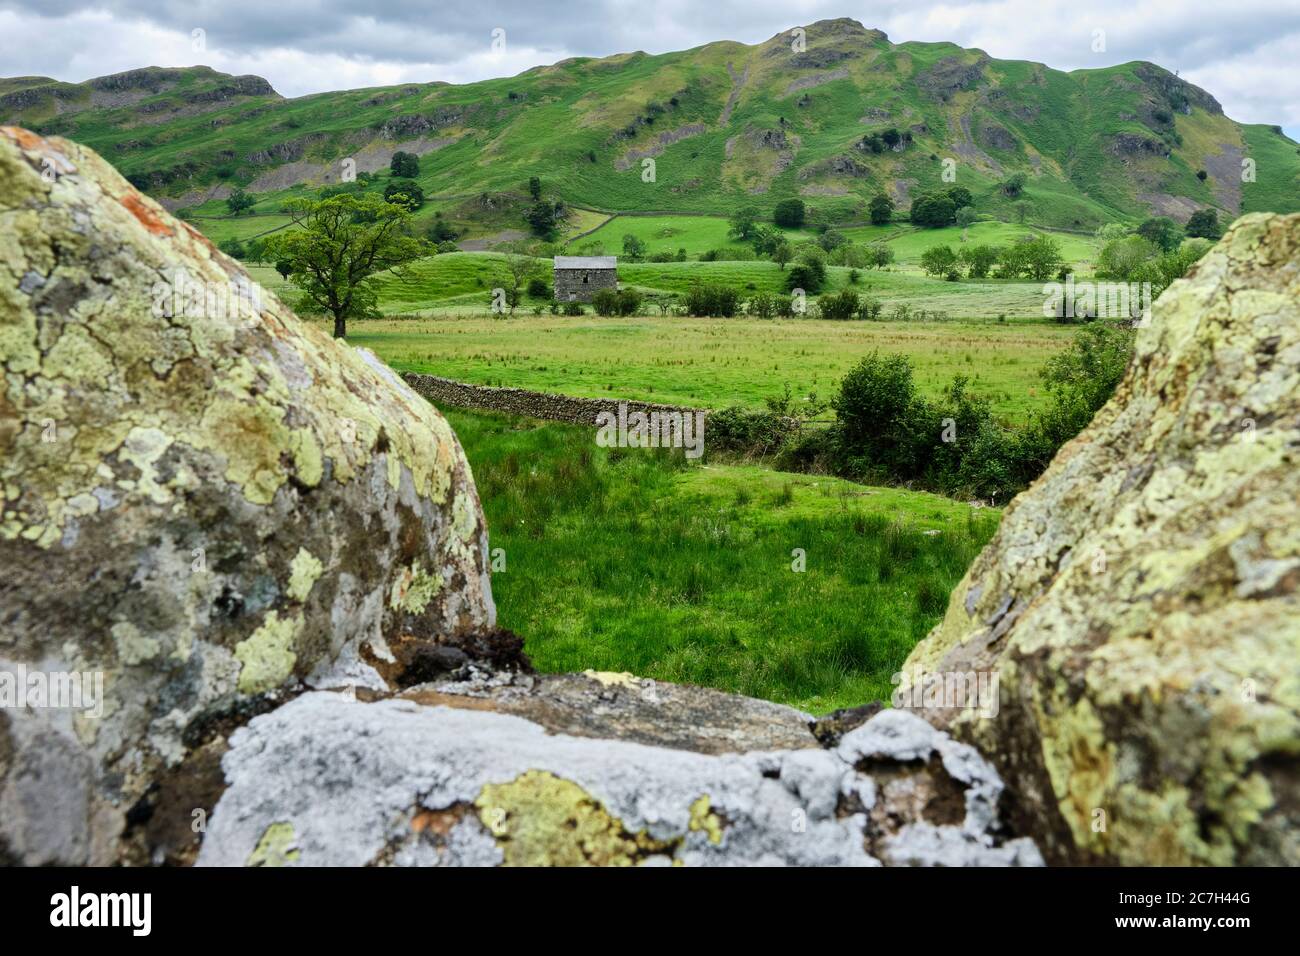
404, 165
574, 308
538, 288
764, 305
869, 308
1204, 224
839, 306
712, 299
882, 209
941, 261
934, 212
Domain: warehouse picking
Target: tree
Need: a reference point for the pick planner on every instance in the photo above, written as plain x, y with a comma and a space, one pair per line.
880, 255
404, 165
404, 192
765, 239
965, 217
1042, 257
960, 196
543, 217
934, 211
239, 202
1120, 258
339, 244
1204, 224
521, 267
534, 187
1161, 230
744, 222
284, 267
789, 213
633, 248
978, 260
233, 248
882, 209
1014, 184
782, 254
941, 261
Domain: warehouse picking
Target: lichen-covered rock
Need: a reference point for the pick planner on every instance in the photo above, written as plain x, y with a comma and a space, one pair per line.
443, 775
1139, 603
202, 499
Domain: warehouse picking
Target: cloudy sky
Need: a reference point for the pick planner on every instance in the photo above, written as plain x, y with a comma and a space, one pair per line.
1245, 52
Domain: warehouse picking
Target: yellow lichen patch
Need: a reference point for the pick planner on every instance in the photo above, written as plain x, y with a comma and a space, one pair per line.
277, 847
540, 819
413, 589
705, 820
267, 656
303, 572
613, 679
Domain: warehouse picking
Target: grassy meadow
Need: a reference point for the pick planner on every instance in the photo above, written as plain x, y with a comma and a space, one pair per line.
638, 560
713, 363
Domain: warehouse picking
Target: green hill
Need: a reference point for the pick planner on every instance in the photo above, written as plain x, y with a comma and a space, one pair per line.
727, 125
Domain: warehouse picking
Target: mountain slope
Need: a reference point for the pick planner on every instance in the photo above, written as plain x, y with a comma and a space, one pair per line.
727, 125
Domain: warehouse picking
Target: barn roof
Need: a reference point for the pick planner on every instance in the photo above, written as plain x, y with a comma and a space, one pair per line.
586, 262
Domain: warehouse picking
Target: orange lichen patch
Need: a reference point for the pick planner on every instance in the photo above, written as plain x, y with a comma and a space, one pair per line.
148, 218
25, 138
437, 822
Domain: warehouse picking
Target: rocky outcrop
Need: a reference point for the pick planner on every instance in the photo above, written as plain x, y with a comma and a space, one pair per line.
1139, 604
205, 505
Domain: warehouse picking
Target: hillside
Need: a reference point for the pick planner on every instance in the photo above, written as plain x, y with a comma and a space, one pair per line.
727, 124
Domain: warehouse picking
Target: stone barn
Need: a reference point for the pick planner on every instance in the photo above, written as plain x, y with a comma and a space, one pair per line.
578, 278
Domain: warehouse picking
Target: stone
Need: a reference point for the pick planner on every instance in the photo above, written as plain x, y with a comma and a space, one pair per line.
328, 781
1139, 604
205, 503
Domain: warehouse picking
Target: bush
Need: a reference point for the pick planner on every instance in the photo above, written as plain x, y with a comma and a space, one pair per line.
941, 261
764, 305
574, 308
882, 209
538, 288
712, 299
933, 212
869, 308
789, 213
839, 306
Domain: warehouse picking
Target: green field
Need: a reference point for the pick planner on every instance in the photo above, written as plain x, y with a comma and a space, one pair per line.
636, 560
695, 234
713, 362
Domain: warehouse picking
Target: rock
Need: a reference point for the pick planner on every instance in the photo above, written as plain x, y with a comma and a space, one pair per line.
1139, 605
204, 503
327, 781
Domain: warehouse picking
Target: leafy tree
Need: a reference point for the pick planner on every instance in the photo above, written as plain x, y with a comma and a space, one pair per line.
633, 248
1204, 224
233, 248
960, 196
442, 230
789, 213
404, 192
839, 306
831, 239
809, 273
1120, 259
543, 217
782, 254
1112, 231
339, 244
965, 216
1161, 230
934, 212
882, 209
764, 239
1042, 257
744, 222
978, 260
1014, 184
534, 187
711, 299
880, 255
941, 261
284, 267
404, 165
239, 202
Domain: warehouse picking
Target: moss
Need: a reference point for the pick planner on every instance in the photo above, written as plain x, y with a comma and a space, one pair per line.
413, 589
540, 819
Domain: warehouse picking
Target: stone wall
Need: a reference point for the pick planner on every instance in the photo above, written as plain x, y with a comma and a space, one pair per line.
569, 286
519, 401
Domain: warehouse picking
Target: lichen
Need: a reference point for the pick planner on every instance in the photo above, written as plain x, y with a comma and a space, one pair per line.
303, 572
277, 847
539, 819
704, 820
413, 588
267, 656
